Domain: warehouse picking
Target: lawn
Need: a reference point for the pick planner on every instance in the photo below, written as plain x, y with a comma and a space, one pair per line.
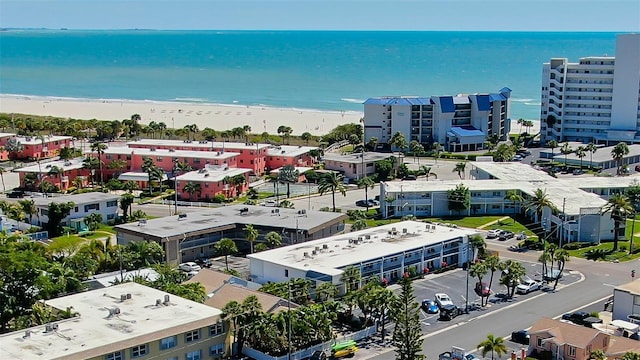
469, 222
621, 255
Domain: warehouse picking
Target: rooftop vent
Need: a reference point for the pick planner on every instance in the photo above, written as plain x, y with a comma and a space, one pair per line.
404, 230
325, 246
158, 302
172, 150
182, 216
50, 327
317, 248
314, 252
166, 300
153, 149
367, 237
306, 254
114, 311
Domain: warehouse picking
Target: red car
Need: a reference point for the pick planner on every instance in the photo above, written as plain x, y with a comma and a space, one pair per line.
482, 289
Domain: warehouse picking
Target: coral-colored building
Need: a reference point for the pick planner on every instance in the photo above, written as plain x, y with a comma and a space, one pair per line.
36, 148
164, 159
68, 171
250, 155
212, 182
4, 154
281, 155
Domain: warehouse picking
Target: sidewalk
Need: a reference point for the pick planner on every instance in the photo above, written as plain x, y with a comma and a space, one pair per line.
493, 222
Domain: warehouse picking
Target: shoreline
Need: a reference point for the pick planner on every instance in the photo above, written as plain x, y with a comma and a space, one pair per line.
177, 114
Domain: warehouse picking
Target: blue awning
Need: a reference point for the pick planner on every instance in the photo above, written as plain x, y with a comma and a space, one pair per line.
376, 101
466, 131
483, 102
446, 103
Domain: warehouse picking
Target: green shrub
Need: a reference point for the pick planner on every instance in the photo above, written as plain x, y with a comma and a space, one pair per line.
219, 198
576, 245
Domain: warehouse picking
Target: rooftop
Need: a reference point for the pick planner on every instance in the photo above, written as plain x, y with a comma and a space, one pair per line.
226, 217
211, 174
356, 158
65, 165
632, 287
78, 199
198, 144
339, 251
601, 155
34, 140
513, 171
98, 330
289, 150
121, 150
301, 169
565, 333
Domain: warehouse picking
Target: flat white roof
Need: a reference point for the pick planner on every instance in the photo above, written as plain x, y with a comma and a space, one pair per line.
33, 140
301, 169
216, 155
95, 333
601, 155
4, 135
513, 171
78, 199
211, 174
136, 176
356, 157
341, 253
289, 150
65, 165
200, 144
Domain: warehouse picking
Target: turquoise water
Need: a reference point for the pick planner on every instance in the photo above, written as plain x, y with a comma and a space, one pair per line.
325, 70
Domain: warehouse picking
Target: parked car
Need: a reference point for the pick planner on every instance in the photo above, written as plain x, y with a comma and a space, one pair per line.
527, 286
430, 306
449, 312
204, 263
271, 203
374, 202
638, 168
520, 337
410, 177
482, 289
16, 194
517, 158
443, 299
591, 320
361, 203
189, 266
576, 317
492, 234
191, 274
318, 355
521, 236
505, 235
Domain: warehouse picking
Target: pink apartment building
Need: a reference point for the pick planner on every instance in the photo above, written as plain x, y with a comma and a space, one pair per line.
61, 173
34, 147
212, 180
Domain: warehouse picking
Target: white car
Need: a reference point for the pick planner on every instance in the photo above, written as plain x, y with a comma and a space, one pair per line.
527, 286
492, 234
189, 266
443, 299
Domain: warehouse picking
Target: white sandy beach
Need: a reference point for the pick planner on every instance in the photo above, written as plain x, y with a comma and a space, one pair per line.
177, 114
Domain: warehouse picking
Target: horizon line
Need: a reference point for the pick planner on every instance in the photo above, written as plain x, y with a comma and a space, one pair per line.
315, 30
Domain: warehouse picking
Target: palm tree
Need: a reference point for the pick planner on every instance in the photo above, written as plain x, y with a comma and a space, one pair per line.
538, 202
326, 291
117, 165
437, 148
621, 208
504, 152
416, 149
288, 175
373, 143
520, 122
598, 355
306, 136
618, 153
91, 164
552, 144
515, 197
351, 278
427, 172
99, 148
29, 208
192, 188
493, 344
366, 183
273, 239
333, 182
591, 148
566, 149
126, 200
581, 152
251, 234
560, 257
399, 141
493, 264
479, 270
460, 167
359, 224
284, 131
226, 247
149, 166
232, 312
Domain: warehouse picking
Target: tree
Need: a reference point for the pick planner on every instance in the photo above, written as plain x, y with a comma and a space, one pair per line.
618, 153
598, 355
460, 167
479, 270
427, 172
93, 221
620, 208
273, 239
117, 165
515, 197
493, 264
630, 355
459, 199
333, 182
520, 122
359, 225
366, 183
192, 188
591, 148
351, 278
407, 333
547, 257
581, 152
288, 175
416, 149
511, 277
565, 150
90, 163
399, 141
29, 208
504, 152
493, 344
437, 148
152, 170
552, 144
326, 291
306, 136
285, 132
383, 169
189, 129
57, 212
226, 247
560, 257
477, 244
538, 202
251, 234
99, 148
372, 144
126, 200
13, 147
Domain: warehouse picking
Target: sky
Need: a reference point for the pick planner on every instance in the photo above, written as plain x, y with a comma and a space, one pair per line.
463, 15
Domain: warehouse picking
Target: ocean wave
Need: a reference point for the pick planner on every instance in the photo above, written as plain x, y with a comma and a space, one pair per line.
190, 99
533, 103
354, 101
522, 100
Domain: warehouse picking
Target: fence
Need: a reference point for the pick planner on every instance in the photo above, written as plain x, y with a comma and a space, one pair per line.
38, 236
305, 353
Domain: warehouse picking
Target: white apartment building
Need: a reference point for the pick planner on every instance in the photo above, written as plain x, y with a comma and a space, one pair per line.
596, 99
459, 123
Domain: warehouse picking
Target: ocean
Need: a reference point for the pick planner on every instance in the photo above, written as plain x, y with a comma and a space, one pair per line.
322, 70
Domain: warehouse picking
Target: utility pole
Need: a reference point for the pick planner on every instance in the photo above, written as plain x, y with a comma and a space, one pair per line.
564, 219
289, 316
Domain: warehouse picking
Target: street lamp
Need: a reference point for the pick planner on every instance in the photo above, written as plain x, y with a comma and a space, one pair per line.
175, 186
466, 299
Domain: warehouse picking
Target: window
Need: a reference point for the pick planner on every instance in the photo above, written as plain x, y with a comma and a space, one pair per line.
112, 203
539, 342
192, 336
217, 349
194, 355
572, 351
286, 273
216, 329
114, 356
90, 207
168, 343
111, 216
139, 351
